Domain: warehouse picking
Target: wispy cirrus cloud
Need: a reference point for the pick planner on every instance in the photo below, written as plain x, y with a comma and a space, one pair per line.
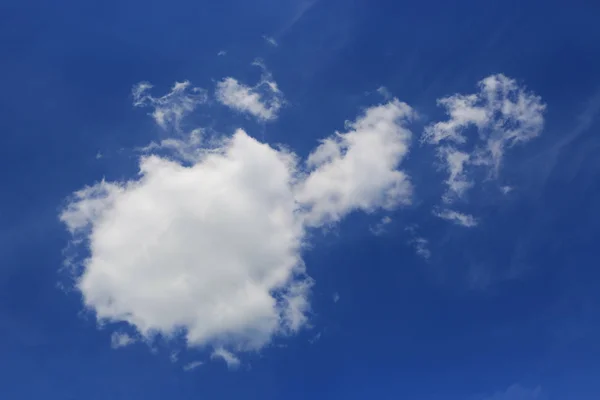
456, 217
270, 40
192, 365
170, 109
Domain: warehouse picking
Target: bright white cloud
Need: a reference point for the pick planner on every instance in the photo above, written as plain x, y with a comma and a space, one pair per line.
502, 110
119, 339
171, 108
204, 248
358, 170
230, 359
263, 101
209, 243
502, 113
456, 217
192, 365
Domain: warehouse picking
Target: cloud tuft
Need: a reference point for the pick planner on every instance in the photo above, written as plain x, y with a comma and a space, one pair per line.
119, 339
456, 217
502, 114
171, 108
358, 169
192, 365
230, 359
263, 101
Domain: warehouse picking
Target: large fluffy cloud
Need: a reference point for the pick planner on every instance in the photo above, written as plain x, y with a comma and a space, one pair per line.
203, 248
212, 248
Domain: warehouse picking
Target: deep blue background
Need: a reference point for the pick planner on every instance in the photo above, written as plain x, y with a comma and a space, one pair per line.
514, 300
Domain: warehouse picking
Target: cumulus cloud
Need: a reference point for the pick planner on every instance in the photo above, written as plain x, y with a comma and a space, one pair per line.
358, 169
119, 339
263, 100
230, 359
211, 248
202, 247
456, 217
171, 108
502, 114
192, 365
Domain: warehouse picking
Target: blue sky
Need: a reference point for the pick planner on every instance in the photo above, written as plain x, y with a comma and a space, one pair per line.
292, 199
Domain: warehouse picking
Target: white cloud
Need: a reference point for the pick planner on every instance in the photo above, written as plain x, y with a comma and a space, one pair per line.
189, 149
203, 248
517, 392
502, 113
171, 108
212, 248
358, 170
270, 40
457, 181
466, 220
119, 339
230, 359
263, 101
222, 53
383, 91
192, 365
